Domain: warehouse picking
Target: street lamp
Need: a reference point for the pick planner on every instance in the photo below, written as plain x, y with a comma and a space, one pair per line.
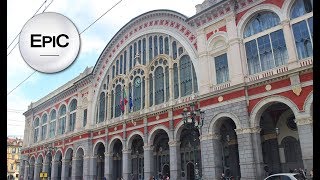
193, 120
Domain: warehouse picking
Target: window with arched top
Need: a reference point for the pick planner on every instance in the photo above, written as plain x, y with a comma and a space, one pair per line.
159, 85
73, 114
264, 49
36, 130
137, 91
187, 83
118, 91
62, 119
52, 129
102, 102
44, 121
302, 27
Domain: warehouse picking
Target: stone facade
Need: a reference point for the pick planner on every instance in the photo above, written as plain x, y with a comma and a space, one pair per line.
250, 122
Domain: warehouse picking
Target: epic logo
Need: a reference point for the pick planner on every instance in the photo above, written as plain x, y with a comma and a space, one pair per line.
48, 40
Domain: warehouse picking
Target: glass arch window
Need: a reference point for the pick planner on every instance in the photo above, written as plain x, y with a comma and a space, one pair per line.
73, 114
36, 130
53, 118
186, 76
44, 121
137, 93
300, 8
117, 100
102, 102
303, 29
62, 119
159, 85
260, 22
264, 51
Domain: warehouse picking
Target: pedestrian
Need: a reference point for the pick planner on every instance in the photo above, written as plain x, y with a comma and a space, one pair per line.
223, 177
311, 173
167, 178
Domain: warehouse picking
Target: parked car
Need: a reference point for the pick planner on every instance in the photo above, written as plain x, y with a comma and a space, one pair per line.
285, 176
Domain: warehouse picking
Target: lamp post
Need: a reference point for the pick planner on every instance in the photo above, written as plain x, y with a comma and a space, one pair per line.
193, 120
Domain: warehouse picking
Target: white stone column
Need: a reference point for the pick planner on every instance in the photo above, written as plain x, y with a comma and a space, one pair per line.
126, 163
108, 165
289, 39
67, 121
236, 70
202, 65
305, 131
148, 161
257, 150
45, 167
175, 163
37, 168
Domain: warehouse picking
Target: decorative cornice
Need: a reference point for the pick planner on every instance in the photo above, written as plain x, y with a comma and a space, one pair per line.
304, 121
248, 130
174, 143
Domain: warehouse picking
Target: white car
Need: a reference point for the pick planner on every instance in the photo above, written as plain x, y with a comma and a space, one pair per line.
285, 176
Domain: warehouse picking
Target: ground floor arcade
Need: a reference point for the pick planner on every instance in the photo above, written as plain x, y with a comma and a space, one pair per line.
275, 135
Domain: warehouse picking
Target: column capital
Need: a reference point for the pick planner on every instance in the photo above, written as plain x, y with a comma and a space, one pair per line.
209, 137
148, 147
174, 143
126, 151
248, 130
303, 121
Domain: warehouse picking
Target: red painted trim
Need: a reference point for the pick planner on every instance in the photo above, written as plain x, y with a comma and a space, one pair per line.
298, 100
278, 3
306, 77
274, 85
161, 116
176, 122
130, 124
214, 100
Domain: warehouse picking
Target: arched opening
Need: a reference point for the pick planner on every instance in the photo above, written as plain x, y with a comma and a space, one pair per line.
79, 164
117, 159
68, 163
190, 153
100, 160
137, 160
229, 148
279, 133
161, 154
39, 165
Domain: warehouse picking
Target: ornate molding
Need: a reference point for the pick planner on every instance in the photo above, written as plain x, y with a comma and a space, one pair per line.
209, 137
269, 136
174, 143
304, 121
248, 130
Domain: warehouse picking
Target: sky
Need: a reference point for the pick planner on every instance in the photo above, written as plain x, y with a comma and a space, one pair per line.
93, 41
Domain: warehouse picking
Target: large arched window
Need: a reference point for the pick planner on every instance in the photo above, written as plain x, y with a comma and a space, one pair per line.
159, 85
73, 114
186, 76
117, 100
137, 94
53, 117
62, 119
264, 50
36, 129
302, 29
44, 121
102, 102
301, 7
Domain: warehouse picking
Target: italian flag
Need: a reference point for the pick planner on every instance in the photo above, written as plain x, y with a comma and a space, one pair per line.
123, 100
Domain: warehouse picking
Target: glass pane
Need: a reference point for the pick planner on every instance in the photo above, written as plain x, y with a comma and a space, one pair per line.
144, 51
260, 22
310, 23
137, 94
222, 71
166, 45
265, 53
185, 75
130, 58
161, 45
159, 85
150, 48
176, 81
53, 115
174, 49
155, 50
279, 48
252, 57
101, 107
302, 39
301, 7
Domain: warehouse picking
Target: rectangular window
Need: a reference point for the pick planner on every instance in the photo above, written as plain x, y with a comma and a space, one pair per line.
72, 121
85, 117
302, 39
252, 57
35, 136
222, 71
